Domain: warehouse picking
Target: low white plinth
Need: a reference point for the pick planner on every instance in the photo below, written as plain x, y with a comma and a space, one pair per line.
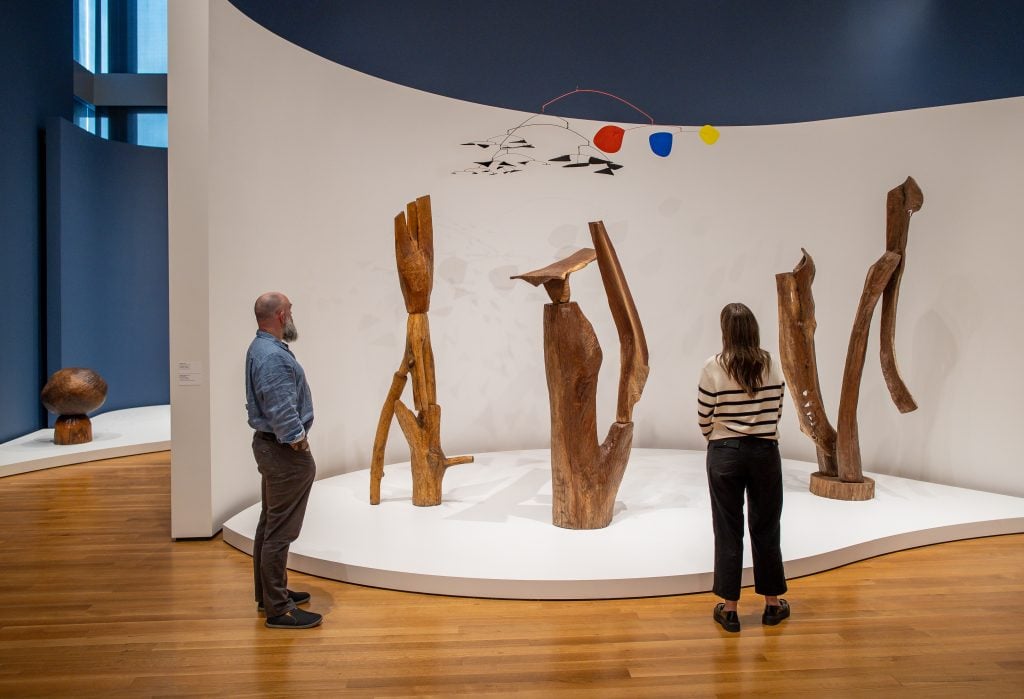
117, 433
492, 536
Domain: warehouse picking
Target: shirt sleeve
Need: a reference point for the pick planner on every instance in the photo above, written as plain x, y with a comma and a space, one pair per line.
706, 401
276, 388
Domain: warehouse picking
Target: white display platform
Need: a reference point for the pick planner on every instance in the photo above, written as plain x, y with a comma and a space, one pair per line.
117, 433
492, 536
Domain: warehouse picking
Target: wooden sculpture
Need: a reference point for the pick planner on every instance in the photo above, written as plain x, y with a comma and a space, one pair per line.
414, 252
71, 393
585, 475
840, 475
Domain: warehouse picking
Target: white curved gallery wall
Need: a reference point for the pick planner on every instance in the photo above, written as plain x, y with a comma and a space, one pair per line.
286, 171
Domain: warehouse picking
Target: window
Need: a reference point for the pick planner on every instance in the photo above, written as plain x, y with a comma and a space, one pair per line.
85, 34
148, 129
121, 36
150, 54
84, 116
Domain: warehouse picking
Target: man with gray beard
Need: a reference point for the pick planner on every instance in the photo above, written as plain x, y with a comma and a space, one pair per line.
280, 409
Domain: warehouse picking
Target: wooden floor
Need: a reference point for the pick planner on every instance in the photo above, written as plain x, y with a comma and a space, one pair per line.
96, 600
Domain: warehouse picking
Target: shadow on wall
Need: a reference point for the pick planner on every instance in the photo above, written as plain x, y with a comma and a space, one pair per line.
929, 444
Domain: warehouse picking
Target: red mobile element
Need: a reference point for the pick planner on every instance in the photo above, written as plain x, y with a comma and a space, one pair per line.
609, 138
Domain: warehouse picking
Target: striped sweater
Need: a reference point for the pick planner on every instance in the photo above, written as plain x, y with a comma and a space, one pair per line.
725, 410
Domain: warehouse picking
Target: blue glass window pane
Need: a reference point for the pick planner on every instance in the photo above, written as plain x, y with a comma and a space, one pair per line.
104, 32
151, 36
84, 116
85, 33
151, 129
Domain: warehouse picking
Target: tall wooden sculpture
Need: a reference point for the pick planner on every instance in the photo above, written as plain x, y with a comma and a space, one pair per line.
840, 475
414, 251
585, 475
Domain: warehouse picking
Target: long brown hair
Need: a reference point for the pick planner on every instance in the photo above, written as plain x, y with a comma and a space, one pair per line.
742, 356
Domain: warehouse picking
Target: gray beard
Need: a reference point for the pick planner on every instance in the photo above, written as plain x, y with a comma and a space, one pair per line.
289, 333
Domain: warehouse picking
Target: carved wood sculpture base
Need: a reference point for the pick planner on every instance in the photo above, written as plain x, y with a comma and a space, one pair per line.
588, 501
831, 487
585, 475
428, 461
72, 429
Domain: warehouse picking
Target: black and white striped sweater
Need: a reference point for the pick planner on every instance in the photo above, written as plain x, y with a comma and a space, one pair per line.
725, 410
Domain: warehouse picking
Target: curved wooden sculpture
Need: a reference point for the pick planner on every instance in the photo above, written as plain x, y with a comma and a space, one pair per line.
414, 252
840, 475
900, 205
799, 363
585, 475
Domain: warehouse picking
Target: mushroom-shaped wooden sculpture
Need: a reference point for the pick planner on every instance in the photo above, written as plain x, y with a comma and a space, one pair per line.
585, 475
70, 394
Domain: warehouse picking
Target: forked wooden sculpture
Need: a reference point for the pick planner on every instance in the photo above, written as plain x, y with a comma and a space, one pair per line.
840, 475
414, 252
585, 475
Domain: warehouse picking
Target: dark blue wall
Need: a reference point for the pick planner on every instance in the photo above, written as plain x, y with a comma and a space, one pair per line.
106, 263
724, 62
35, 60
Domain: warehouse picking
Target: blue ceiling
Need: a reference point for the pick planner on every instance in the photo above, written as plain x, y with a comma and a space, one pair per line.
724, 62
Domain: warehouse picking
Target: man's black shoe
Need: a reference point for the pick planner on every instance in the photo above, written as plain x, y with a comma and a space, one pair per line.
775, 614
295, 597
730, 621
295, 619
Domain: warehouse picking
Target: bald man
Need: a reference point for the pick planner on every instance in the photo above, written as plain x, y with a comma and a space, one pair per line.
280, 409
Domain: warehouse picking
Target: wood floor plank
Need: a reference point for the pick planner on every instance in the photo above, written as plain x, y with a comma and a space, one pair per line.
96, 600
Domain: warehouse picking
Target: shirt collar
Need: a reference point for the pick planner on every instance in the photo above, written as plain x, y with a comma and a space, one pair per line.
264, 334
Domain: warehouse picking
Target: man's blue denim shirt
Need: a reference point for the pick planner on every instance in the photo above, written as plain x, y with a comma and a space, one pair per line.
277, 396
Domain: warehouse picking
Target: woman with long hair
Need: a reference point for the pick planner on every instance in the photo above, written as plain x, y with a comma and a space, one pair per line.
739, 404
